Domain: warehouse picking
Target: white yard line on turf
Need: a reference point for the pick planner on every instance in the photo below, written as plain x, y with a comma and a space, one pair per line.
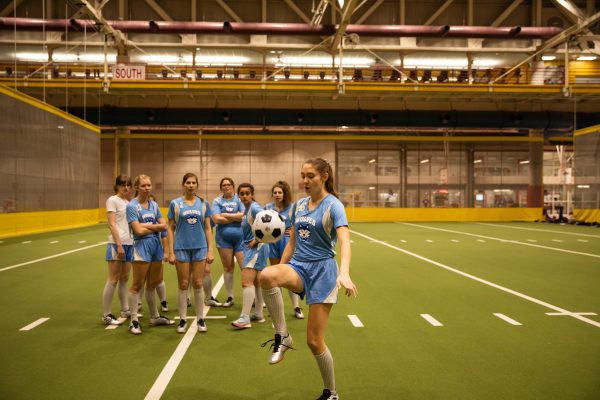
34, 324
475, 278
504, 240
431, 320
111, 327
50, 257
159, 386
355, 321
507, 319
538, 230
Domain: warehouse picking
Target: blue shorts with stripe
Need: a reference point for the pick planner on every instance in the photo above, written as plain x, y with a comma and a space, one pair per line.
319, 279
112, 254
148, 249
230, 239
256, 257
276, 249
189, 255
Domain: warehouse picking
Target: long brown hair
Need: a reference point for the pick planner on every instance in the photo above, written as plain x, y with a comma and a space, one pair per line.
323, 167
287, 192
191, 175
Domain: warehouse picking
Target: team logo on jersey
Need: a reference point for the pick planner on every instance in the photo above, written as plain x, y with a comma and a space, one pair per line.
303, 232
192, 220
229, 208
148, 218
301, 207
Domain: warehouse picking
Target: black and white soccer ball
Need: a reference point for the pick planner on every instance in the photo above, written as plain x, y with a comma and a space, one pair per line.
268, 226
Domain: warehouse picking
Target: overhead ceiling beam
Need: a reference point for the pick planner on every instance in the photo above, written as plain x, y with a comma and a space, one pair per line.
370, 11
500, 19
10, 7
575, 15
298, 11
347, 11
95, 14
229, 11
438, 12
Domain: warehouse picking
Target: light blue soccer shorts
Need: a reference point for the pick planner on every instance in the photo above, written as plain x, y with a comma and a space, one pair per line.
148, 249
112, 254
189, 255
256, 257
276, 249
319, 279
230, 239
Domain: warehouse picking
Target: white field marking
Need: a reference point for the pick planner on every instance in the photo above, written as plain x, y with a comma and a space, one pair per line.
507, 319
355, 321
160, 384
538, 230
455, 241
34, 324
215, 316
431, 320
481, 240
26, 242
505, 240
554, 314
532, 240
429, 241
403, 241
557, 240
583, 240
54, 242
50, 257
82, 241
475, 278
111, 327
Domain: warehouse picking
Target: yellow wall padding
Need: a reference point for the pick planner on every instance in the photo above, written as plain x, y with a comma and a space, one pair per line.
442, 214
588, 215
23, 223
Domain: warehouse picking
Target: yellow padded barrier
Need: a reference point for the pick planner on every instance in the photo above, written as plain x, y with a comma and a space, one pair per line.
23, 223
442, 214
587, 215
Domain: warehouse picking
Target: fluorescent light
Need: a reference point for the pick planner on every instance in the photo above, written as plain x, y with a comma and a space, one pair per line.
486, 62
219, 60
371, 187
586, 58
524, 162
583, 186
424, 161
160, 58
414, 62
548, 58
371, 161
23, 56
344, 127
479, 160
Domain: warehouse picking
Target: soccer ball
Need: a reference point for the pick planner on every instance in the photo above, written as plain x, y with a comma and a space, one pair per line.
268, 226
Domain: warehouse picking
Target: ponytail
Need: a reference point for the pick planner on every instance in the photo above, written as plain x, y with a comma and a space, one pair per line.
323, 167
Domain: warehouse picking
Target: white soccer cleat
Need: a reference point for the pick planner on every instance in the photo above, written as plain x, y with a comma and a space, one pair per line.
327, 395
280, 345
181, 328
298, 313
212, 302
160, 320
228, 302
242, 322
135, 328
110, 319
164, 307
257, 318
201, 326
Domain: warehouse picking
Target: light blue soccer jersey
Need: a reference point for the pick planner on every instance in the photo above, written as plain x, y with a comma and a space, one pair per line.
136, 212
285, 213
221, 205
315, 230
247, 220
189, 223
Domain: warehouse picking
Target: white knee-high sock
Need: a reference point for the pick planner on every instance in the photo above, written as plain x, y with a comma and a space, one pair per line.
123, 295
258, 302
207, 284
199, 303
151, 300
141, 294
248, 298
228, 278
182, 303
294, 298
274, 302
132, 298
107, 296
325, 363
161, 290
